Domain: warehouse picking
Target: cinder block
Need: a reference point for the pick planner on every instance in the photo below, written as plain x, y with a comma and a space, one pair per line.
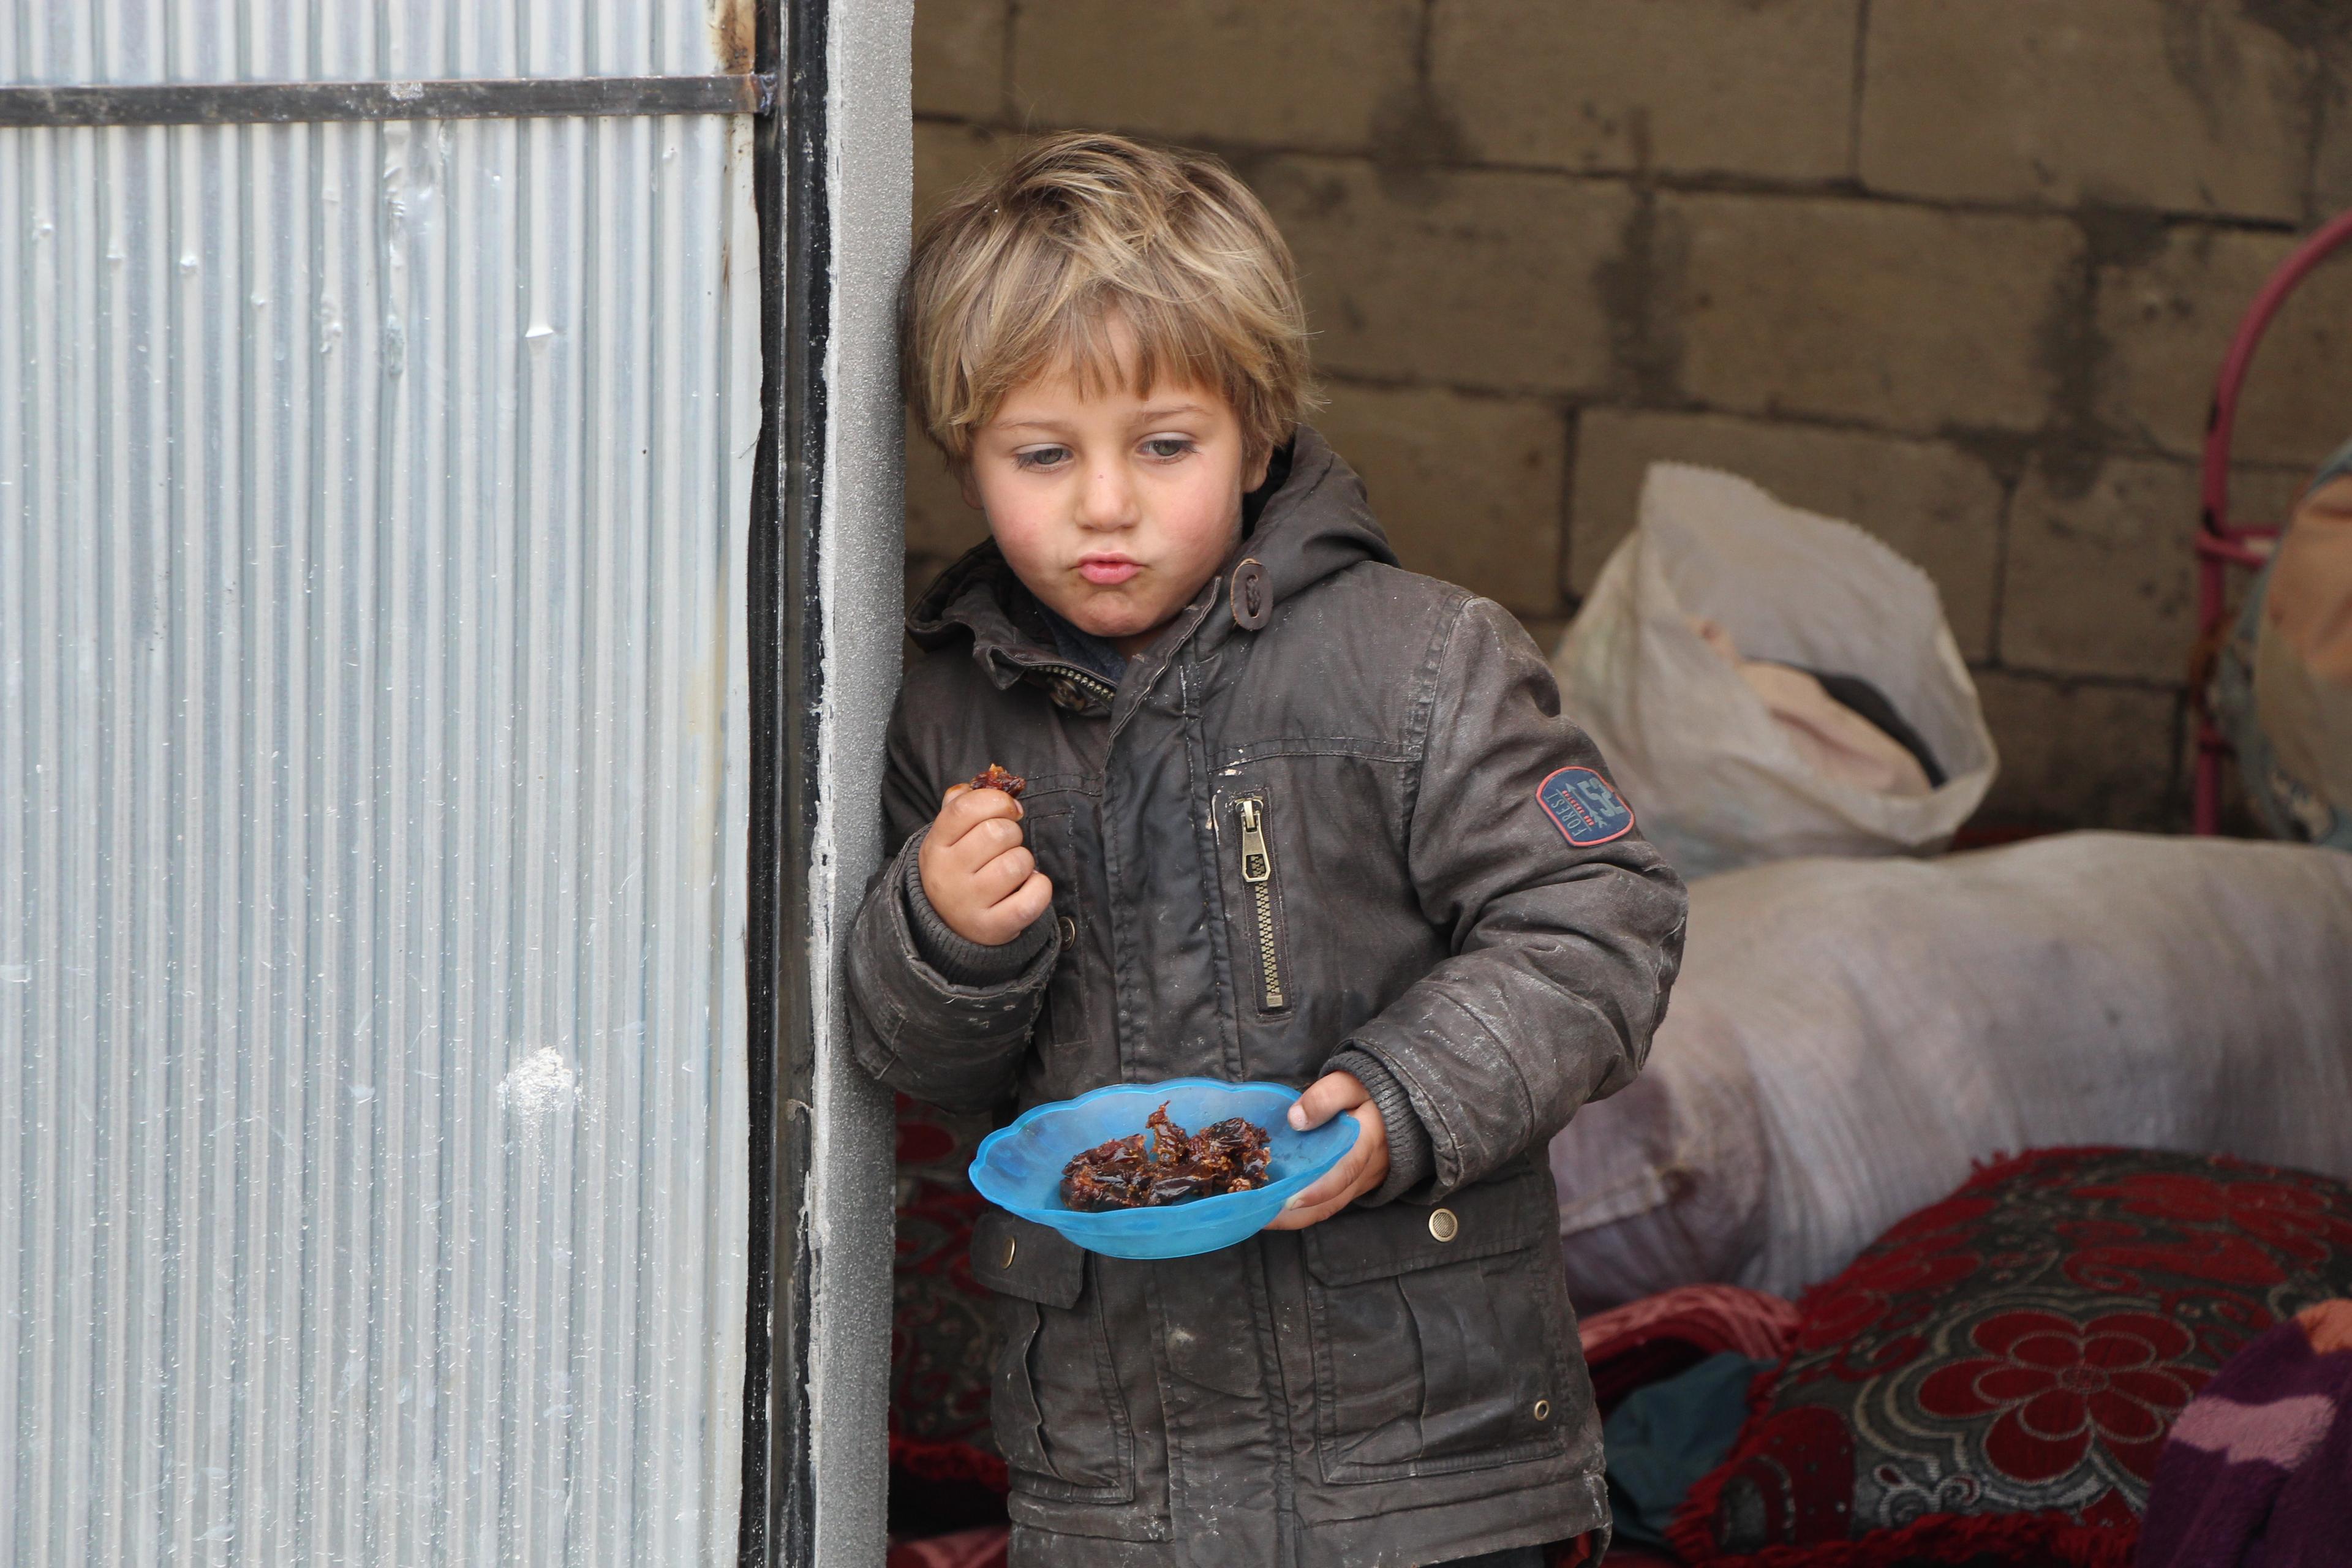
2331, 175
2266, 493
948, 156
2159, 104
1477, 280
2101, 580
960, 58
940, 527
938, 523
2167, 319
1545, 631
1682, 86
1932, 503
1468, 489
922, 571
2078, 755
1303, 74
1900, 317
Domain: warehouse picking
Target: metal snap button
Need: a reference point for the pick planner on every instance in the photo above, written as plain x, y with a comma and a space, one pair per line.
1011, 1246
1543, 1409
1442, 1225
1069, 929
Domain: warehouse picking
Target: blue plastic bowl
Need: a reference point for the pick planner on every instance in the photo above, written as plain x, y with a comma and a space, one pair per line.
1019, 1167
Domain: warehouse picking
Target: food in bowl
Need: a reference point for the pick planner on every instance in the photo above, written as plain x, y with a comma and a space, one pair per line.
1228, 1156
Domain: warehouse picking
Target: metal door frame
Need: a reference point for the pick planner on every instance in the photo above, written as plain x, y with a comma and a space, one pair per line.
835, 179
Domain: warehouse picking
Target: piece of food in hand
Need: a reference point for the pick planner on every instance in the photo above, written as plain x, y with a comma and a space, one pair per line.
1231, 1156
996, 777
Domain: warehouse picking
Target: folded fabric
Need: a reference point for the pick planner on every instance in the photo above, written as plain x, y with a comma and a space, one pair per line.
1992, 1380
1866, 699
1847, 1036
2303, 658
1716, 1317
2310, 605
986, 1547
941, 1330
2258, 1473
1667, 1436
2280, 689
1834, 739
1646, 1341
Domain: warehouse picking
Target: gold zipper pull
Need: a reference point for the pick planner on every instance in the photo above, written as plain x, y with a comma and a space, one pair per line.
1257, 864
1257, 870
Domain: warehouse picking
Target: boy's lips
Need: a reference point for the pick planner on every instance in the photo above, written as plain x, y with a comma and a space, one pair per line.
1105, 570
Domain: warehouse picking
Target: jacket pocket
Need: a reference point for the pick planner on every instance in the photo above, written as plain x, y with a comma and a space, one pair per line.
1436, 1334
1066, 1020
1059, 1416
1265, 953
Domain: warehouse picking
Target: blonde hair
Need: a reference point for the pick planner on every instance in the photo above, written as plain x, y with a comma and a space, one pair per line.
1018, 274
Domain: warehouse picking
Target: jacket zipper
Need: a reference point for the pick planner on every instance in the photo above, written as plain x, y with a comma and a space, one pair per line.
1257, 870
1086, 679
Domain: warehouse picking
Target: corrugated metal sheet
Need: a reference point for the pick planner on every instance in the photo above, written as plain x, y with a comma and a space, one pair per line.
70, 41
373, 513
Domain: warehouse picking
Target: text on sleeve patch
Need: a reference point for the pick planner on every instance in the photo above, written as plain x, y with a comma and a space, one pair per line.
1584, 807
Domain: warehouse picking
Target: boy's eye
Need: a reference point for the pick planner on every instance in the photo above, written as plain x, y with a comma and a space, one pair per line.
1039, 457
1169, 446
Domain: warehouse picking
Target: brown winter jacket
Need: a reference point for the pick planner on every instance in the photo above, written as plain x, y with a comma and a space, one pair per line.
1448, 901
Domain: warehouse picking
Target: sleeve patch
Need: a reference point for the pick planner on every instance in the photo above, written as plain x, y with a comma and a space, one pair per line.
1585, 808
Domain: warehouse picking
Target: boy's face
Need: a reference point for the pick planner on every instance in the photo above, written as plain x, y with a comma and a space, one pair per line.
1113, 508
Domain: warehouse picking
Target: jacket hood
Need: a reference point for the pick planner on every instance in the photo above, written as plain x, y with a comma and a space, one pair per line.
1313, 522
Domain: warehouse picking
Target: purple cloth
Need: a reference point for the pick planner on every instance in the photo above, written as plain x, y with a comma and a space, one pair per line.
2258, 1470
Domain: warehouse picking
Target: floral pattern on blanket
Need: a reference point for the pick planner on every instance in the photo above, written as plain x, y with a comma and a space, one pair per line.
2021, 1350
940, 1343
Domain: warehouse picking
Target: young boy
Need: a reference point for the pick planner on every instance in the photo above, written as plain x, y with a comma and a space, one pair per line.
1292, 813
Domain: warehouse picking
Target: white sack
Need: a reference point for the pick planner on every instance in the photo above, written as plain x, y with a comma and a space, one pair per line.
1848, 1036
1715, 782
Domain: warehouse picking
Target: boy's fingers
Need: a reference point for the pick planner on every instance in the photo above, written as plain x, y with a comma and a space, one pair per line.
1327, 1190
1364, 1168
983, 841
1296, 1218
1321, 1201
1004, 874
1021, 907
963, 812
965, 808
1002, 918
1325, 1098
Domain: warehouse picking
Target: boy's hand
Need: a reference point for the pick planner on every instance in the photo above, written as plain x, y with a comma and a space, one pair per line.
977, 873
1366, 1165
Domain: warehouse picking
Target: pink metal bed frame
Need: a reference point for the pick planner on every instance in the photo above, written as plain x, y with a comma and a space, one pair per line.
2222, 542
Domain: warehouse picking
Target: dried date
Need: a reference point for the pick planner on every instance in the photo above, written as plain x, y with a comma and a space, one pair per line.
1012, 783
1173, 1167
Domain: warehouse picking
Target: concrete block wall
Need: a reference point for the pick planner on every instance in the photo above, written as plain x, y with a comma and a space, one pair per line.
1960, 271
